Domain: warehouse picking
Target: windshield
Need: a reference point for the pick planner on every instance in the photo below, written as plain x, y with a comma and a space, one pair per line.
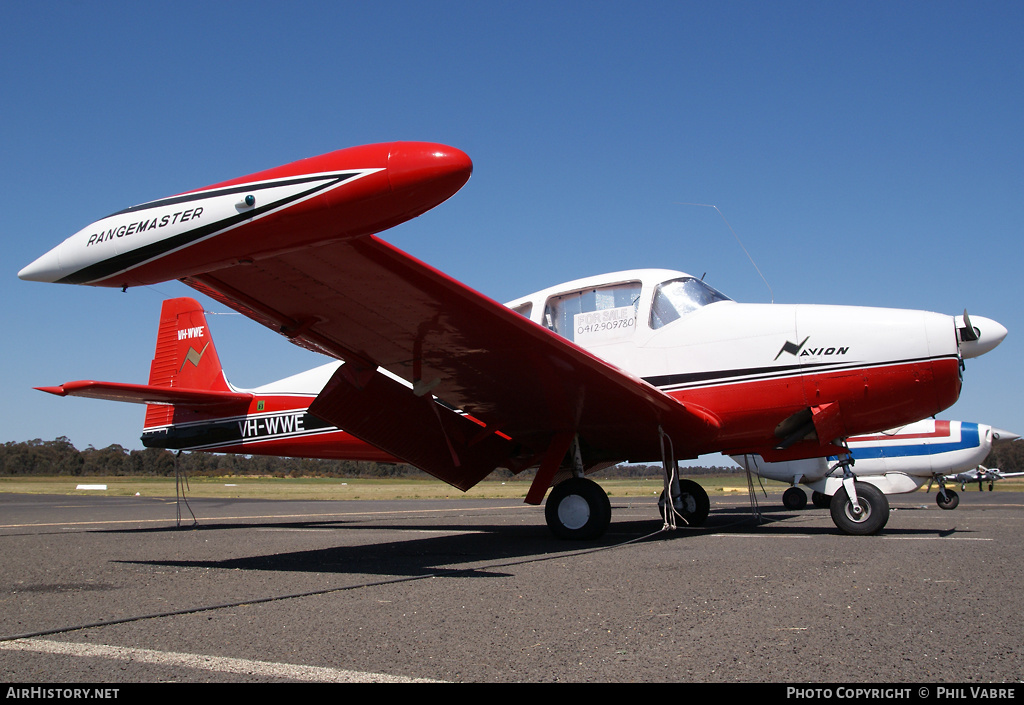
678, 297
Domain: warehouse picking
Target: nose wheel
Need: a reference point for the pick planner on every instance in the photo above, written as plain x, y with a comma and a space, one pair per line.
868, 515
947, 499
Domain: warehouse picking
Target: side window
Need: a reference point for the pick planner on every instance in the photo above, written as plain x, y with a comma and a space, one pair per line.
524, 310
603, 314
676, 298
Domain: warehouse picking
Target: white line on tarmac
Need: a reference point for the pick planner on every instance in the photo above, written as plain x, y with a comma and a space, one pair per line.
936, 538
888, 538
446, 532
760, 536
317, 674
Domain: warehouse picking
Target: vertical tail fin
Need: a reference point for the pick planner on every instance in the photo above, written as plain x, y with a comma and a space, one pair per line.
185, 356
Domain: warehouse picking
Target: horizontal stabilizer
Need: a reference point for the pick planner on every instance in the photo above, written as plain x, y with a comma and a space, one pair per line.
208, 400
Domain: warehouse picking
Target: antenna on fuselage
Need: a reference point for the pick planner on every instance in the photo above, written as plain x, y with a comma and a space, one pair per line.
708, 205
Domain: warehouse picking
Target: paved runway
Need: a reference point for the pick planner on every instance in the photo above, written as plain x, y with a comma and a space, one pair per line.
109, 590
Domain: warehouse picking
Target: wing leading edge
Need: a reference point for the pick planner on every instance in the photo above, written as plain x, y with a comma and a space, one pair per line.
526, 389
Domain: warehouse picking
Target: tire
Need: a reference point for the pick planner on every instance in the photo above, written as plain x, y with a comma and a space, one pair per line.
874, 514
578, 509
794, 498
953, 501
692, 504
821, 500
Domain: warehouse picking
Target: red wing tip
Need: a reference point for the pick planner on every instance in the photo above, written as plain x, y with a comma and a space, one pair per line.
59, 390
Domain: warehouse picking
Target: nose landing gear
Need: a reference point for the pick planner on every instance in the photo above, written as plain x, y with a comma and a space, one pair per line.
858, 508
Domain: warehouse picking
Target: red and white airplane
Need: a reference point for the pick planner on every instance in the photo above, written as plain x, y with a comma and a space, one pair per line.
642, 365
896, 461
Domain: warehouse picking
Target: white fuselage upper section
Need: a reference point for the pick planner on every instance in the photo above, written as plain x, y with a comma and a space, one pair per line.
747, 341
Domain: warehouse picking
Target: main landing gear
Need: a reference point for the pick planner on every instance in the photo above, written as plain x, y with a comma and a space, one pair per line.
578, 508
689, 502
794, 498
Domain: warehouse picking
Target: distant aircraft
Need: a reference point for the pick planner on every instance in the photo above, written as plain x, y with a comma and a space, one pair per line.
642, 365
896, 461
981, 475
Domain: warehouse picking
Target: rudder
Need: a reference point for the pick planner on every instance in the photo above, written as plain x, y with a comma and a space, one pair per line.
185, 356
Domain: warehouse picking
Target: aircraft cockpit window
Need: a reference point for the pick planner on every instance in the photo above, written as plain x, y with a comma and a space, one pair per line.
603, 314
676, 298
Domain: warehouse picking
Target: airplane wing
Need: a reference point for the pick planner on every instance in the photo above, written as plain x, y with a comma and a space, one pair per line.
489, 387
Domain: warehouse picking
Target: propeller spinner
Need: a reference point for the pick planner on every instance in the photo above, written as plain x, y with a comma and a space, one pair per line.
977, 335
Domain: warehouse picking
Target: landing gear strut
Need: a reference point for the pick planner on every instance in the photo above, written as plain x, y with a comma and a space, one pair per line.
690, 502
946, 498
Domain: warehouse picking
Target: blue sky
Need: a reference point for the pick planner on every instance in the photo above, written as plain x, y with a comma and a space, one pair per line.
866, 153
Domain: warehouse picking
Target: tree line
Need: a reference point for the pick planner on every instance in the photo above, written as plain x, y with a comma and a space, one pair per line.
60, 457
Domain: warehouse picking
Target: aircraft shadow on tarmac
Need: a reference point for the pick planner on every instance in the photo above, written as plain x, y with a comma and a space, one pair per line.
481, 549
427, 549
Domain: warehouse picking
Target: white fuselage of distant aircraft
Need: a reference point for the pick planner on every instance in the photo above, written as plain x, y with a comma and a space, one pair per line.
896, 461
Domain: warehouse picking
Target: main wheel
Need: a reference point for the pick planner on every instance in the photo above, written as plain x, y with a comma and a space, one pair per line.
951, 500
692, 503
821, 500
578, 509
874, 510
794, 498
